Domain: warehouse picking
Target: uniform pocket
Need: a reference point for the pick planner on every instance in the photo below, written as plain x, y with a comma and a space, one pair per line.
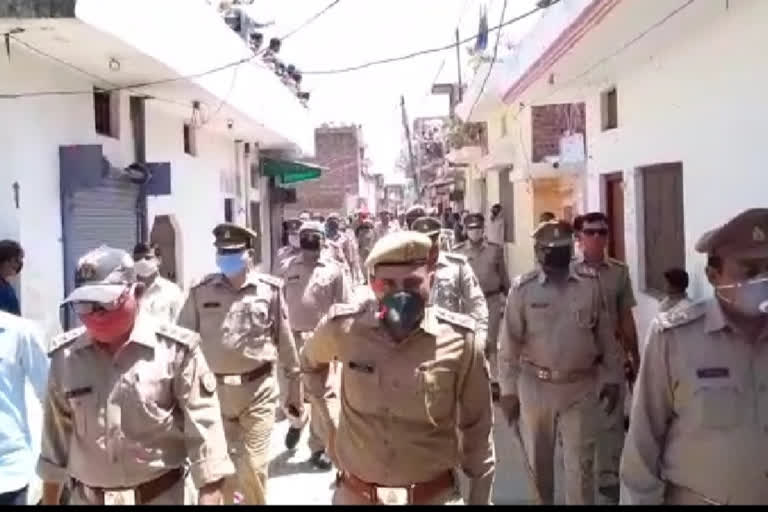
439, 388
85, 412
361, 386
719, 407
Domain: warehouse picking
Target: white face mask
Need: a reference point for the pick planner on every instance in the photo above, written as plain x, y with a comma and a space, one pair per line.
293, 240
475, 234
146, 267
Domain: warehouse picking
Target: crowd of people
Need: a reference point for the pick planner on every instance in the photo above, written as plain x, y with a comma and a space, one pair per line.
395, 347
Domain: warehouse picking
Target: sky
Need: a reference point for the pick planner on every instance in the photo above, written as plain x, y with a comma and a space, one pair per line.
356, 31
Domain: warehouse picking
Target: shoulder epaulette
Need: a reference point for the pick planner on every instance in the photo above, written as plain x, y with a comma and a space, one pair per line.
493, 244
584, 270
271, 280
521, 279
178, 334
455, 257
456, 319
460, 245
671, 319
340, 310
203, 280
65, 338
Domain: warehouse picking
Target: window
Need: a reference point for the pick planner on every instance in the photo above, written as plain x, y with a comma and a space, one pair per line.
504, 125
229, 210
190, 140
609, 109
664, 227
105, 112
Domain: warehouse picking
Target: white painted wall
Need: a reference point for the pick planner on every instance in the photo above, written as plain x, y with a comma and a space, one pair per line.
196, 202
700, 101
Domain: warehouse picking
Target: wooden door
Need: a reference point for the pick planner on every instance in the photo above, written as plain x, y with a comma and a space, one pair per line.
614, 209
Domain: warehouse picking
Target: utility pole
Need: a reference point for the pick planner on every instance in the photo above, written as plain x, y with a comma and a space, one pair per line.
458, 64
407, 129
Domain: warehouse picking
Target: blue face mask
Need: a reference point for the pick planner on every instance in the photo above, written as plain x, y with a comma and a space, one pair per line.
231, 264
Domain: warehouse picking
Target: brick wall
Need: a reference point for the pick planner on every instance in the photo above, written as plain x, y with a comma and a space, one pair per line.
338, 150
549, 122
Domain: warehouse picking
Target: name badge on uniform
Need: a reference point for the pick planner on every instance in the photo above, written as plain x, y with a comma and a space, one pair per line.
539, 305
713, 373
209, 305
120, 497
74, 393
292, 279
361, 367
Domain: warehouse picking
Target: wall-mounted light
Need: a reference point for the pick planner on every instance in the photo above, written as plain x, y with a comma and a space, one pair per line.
114, 64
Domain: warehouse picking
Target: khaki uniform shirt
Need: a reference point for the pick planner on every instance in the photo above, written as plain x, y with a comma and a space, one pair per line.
118, 421
560, 328
616, 291
700, 412
163, 300
243, 329
487, 261
456, 289
311, 288
412, 410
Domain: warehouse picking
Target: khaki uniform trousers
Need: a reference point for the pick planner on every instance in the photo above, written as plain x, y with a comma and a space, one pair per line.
317, 434
496, 304
248, 411
608, 449
571, 410
79, 495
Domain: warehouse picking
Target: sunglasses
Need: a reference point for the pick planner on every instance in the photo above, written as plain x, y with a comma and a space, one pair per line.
595, 232
90, 307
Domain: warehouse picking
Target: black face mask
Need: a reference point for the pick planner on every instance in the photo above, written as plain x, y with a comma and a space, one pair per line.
401, 313
556, 257
310, 243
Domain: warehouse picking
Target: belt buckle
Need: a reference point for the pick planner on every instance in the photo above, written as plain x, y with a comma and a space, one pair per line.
232, 380
127, 497
544, 374
393, 495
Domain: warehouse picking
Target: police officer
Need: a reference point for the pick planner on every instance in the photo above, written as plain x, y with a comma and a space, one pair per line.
129, 398
414, 212
385, 225
338, 248
698, 433
292, 248
455, 285
366, 237
557, 361
243, 321
415, 400
312, 285
487, 261
618, 300
161, 297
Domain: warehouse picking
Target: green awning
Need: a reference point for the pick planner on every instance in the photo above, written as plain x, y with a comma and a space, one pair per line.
290, 172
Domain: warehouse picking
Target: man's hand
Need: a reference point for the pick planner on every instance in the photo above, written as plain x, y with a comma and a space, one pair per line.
510, 406
609, 394
51, 493
210, 494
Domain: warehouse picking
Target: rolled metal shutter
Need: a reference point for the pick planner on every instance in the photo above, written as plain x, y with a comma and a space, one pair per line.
102, 215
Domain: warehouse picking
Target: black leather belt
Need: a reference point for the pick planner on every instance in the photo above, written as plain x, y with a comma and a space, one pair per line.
144, 493
558, 376
242, 378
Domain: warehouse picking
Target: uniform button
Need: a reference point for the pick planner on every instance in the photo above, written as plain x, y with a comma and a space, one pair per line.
396, 384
